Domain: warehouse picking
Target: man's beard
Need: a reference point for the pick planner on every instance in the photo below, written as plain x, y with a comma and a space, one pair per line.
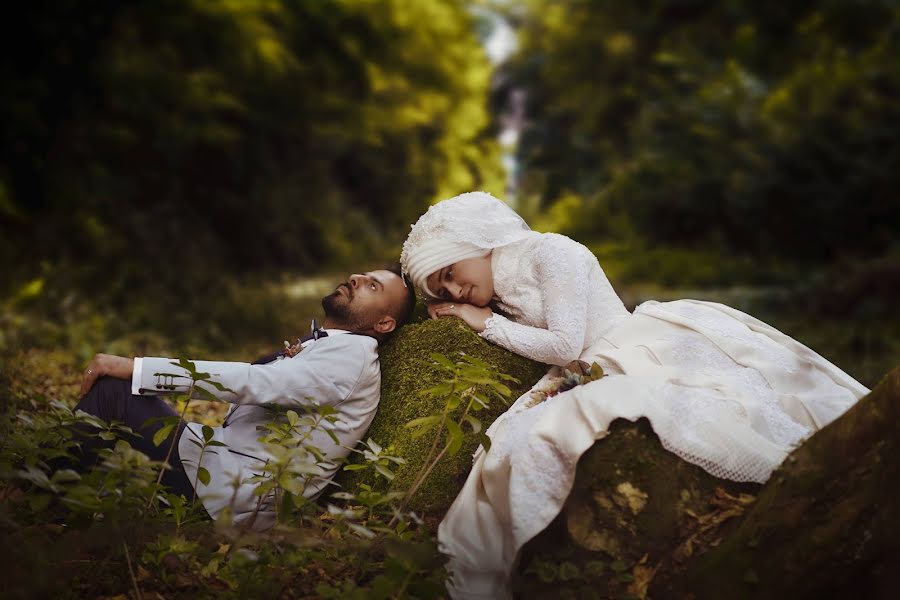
338, 309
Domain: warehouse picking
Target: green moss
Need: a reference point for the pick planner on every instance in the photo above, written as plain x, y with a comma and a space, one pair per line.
406, 370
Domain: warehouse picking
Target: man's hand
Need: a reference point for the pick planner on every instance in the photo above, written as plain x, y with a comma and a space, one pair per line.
105, 365
474, 316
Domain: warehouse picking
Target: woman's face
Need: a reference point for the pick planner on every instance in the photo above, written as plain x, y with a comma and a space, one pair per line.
469, 281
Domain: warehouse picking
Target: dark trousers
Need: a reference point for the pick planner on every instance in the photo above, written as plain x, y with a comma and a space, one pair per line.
111, 400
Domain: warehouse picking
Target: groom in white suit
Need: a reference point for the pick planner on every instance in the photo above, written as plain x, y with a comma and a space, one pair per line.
335, 365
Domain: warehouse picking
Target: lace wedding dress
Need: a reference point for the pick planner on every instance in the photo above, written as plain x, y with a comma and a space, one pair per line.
722, 390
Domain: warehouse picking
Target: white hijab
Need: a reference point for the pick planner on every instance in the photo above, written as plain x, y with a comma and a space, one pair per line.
465, 226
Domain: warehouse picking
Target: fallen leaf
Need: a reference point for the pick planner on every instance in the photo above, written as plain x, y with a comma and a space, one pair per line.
631, 497
643, 575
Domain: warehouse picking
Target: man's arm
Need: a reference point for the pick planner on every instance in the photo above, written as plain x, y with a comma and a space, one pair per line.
105, 365
327, 373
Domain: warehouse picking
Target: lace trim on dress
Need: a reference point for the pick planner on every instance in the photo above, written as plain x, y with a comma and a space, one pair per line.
693, 353
562, 278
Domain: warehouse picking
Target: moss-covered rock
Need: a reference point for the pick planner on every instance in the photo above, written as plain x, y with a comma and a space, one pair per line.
633, 506
406, 370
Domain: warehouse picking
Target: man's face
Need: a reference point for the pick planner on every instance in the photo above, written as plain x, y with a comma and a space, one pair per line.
366, 301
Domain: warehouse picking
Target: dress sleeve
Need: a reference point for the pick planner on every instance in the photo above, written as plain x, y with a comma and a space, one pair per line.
563, 269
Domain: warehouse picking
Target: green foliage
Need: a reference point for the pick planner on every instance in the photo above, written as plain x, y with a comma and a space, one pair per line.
42, 447
264, 135
745, 127
363, 543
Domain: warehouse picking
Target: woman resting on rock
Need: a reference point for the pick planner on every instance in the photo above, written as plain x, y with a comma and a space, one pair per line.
721, 389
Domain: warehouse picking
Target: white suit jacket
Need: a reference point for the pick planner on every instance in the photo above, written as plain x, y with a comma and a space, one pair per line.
341, 370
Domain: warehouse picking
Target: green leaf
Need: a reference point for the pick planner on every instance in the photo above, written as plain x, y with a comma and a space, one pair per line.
320, 456
219, 386
442, 360
475, 423
292, 418
203, 475
361, 531
204, 393
384, 471
333, 436
354, 467
423, 425
292, 485
264, 488
187, 365
501, 389
485, 441
208, 433
373, 445
65, 475
481, 401
455, 433
437, 391
162, 433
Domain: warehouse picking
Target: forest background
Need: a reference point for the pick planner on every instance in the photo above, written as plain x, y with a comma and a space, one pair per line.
190, 177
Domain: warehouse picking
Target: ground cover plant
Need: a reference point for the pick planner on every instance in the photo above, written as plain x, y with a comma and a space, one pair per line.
111, 529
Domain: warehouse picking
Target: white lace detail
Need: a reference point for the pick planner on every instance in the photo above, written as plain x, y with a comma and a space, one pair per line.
741, 386
492, 321
720, 325
557, 297
698, 425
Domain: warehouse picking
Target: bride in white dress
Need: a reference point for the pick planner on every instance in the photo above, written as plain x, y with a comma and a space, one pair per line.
721, 389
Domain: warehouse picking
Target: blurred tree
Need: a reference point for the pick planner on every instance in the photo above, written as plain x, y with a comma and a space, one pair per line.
764, 128
169, 143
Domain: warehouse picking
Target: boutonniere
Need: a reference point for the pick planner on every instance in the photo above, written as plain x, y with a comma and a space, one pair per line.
292, 350
564, 383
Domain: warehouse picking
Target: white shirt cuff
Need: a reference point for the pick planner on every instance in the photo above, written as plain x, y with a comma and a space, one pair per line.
136, 376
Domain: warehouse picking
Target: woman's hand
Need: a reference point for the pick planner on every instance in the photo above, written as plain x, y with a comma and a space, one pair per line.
105, 365
474, 316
